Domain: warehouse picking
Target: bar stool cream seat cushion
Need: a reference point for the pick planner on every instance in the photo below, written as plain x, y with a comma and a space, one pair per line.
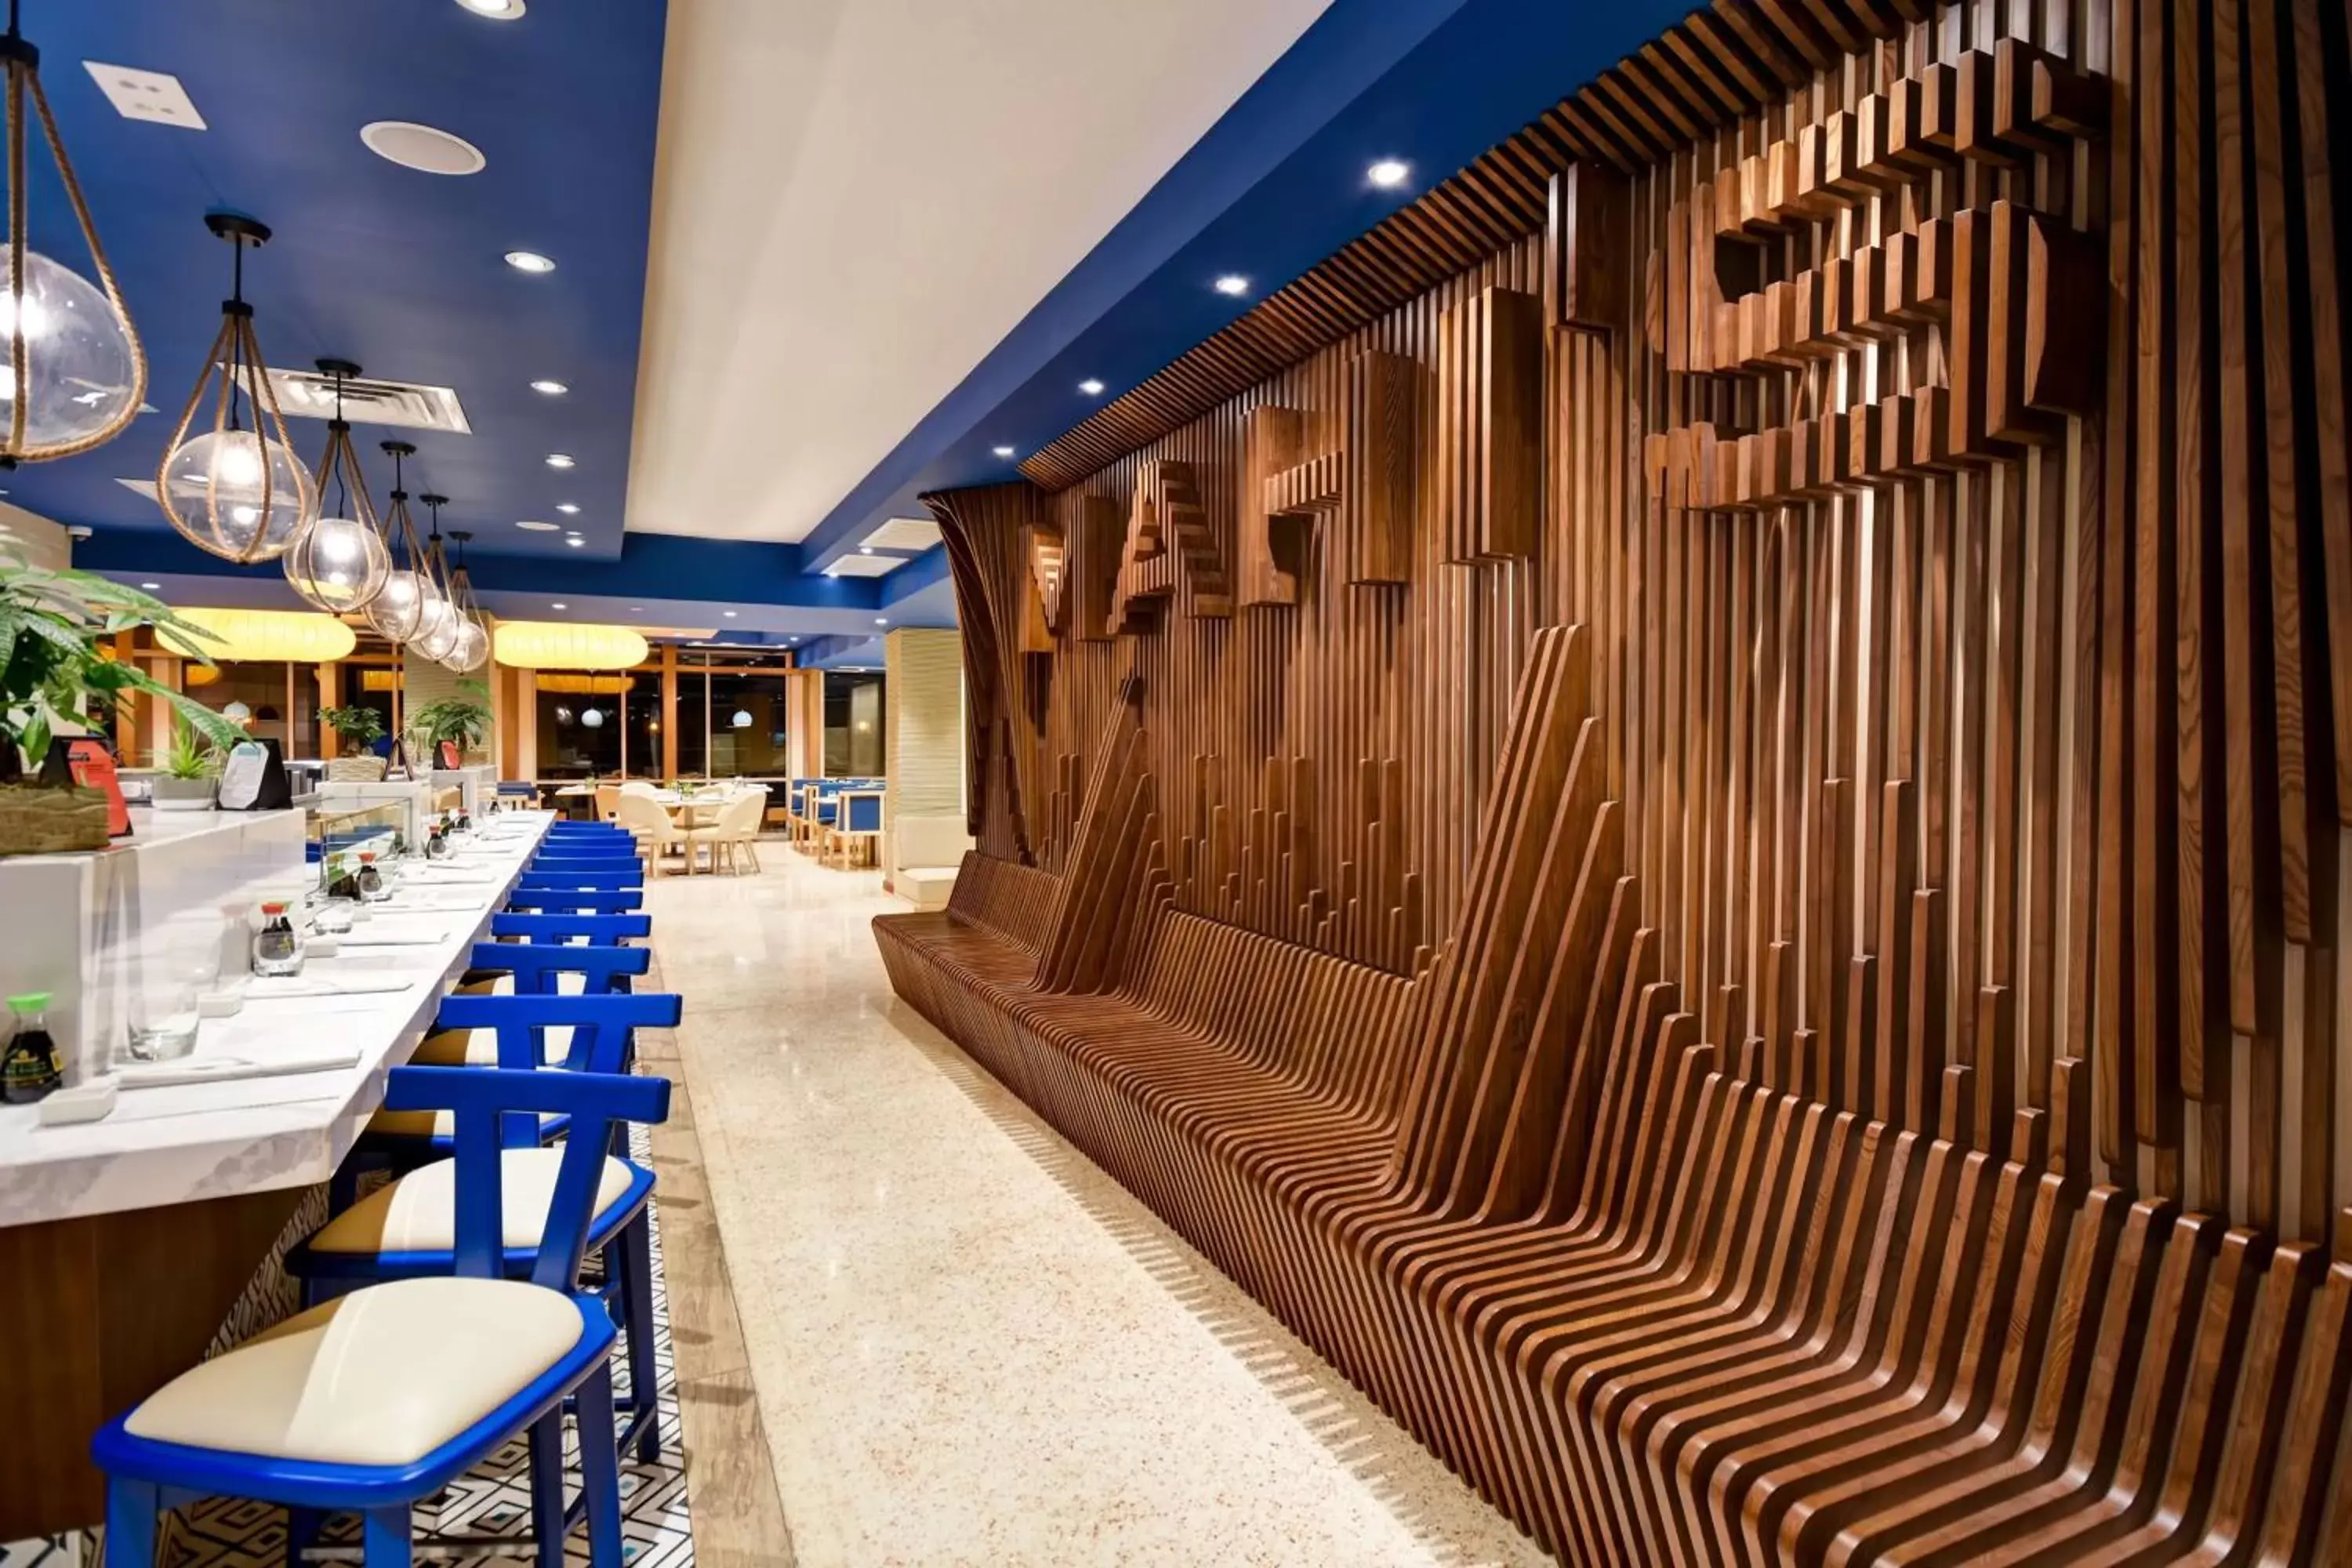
381, 1376
418, 1212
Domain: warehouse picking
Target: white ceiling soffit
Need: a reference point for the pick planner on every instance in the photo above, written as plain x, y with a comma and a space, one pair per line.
866, 566
855, 200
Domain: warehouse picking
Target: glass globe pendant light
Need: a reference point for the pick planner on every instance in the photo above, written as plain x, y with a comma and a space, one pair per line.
473, 645
439, 623
241, 494
397, 612
77, 374
340, 562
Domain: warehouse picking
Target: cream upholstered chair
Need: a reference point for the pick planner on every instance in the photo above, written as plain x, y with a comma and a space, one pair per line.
737, 827
650, 825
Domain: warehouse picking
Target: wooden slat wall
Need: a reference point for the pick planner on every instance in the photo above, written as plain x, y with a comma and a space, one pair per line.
1943, 472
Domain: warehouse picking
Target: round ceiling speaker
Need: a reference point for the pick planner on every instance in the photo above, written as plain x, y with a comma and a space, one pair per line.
422, 148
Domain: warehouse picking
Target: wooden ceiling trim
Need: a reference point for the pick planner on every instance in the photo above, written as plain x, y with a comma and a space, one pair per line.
1716, 65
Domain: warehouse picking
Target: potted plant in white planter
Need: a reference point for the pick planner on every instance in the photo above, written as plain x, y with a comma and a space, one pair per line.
189, 773
357, 728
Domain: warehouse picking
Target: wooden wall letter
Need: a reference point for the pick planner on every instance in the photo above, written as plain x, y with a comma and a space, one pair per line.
1490, 425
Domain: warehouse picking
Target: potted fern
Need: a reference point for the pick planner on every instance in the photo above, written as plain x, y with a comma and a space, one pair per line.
53, 630
189, 773
357, 728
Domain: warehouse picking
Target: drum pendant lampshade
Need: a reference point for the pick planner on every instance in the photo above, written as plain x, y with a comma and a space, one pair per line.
77, 374
273, 637
566, 645
239, 493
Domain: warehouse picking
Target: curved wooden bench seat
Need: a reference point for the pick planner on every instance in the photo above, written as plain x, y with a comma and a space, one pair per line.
1651, 1293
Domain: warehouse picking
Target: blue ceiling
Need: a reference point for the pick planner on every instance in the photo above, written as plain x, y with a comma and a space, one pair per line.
404, 271
400, 270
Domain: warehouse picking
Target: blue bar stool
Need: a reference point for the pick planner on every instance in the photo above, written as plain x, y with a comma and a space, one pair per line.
578, 902
524, 970
378, 1399
407, 1229
601, 930
562, 878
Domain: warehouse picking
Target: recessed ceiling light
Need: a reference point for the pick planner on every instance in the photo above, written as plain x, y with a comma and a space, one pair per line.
575, 542
866, 550
530, 261
636, 609
1003, 451
428, 149
535, 526
549, 388
1389, 173
559, 604
496, 10
1233, 283
729, 613
151, 587
558, 460
1091, 387
881, 620
567, 508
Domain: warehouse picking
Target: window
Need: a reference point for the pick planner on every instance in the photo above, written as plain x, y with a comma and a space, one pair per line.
730, 717
853, 723
580, 724
272, 700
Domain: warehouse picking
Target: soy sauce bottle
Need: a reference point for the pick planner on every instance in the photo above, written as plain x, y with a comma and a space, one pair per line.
371, 889
277, 948
436, 848
28, 1066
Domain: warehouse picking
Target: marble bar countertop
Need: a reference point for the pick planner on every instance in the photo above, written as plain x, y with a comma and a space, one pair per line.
164, 1145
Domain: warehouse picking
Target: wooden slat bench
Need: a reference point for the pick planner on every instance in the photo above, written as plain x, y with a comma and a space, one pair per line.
1655, 1295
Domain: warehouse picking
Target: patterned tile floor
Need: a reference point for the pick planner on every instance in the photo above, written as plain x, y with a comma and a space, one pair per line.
493, 1500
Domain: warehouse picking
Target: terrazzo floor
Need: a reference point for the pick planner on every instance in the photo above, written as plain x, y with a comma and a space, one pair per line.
967, 1345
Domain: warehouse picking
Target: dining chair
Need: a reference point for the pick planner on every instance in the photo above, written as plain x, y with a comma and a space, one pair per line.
738, 825
652, 827
857, 821
379, 1398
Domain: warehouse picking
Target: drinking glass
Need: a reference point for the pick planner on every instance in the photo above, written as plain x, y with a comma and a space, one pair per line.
163, 1019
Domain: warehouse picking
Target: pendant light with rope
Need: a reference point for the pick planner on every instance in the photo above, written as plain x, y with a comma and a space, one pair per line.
77, 374
397, 612
339, 563
240, 494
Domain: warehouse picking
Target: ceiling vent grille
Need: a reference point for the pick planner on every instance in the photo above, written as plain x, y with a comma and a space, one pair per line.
866, 566
904, 534
367, 401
